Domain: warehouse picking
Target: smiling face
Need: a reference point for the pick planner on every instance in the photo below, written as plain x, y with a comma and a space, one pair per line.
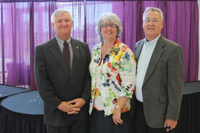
108, 31
152, 25
63, 25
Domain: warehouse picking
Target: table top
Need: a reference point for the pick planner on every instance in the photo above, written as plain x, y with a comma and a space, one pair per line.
10, 90
25, 103
191, 87
32, 104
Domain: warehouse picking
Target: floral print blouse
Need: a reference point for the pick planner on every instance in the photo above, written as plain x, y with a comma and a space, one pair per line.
114, 74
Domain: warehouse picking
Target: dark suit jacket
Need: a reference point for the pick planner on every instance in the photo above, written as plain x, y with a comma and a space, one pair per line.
163, 83
56, 83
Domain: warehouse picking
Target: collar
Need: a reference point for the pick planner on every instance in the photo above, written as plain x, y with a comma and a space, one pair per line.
62, 41
152, 42
114, 46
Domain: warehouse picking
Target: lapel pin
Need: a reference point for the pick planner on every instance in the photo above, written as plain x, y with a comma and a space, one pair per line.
76, 47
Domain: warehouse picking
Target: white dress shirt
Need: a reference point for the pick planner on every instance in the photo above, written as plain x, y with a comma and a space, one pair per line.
143, 63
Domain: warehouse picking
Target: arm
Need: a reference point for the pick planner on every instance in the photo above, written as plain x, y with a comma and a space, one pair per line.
44, 86
85, 97
175, 87
87, 85
117, 111
127, 74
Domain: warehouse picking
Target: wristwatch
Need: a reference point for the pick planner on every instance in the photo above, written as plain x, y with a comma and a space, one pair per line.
117, 107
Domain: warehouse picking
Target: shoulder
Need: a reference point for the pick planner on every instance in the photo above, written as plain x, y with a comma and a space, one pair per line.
125, 50
171, 44
73, 40
46, 44
140, 42
124, 47
96, 47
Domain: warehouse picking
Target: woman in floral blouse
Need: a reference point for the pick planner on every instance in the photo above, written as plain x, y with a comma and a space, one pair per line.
112, 69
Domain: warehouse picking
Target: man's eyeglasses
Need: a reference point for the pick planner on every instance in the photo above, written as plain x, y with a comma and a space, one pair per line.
153, 20
109, 25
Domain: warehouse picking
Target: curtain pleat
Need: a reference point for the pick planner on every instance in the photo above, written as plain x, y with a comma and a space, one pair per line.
24, 25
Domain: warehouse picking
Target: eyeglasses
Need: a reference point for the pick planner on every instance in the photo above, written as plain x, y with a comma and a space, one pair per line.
153, 20
109, 25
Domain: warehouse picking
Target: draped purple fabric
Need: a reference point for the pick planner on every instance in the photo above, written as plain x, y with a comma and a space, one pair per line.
24, 25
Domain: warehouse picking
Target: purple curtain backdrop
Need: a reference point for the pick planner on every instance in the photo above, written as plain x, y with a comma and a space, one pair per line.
24, 25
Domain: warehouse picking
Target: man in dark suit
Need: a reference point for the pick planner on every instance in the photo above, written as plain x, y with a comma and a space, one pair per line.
63, 79
160, 78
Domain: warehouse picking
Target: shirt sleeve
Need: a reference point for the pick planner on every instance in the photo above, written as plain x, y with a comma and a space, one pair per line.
127, 70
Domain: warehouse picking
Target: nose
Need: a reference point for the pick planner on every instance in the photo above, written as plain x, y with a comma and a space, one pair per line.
64, 23
109, 27
151, 22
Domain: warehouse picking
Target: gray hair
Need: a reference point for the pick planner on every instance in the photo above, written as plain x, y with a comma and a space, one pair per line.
59, 12
152, 9
109, 18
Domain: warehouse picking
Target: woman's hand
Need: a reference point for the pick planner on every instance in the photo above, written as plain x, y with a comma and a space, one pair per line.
117, 110
117, 116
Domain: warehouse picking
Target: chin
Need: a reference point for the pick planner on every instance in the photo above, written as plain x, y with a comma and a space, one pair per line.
65, 32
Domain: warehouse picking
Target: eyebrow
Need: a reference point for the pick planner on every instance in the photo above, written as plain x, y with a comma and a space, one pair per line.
152, 18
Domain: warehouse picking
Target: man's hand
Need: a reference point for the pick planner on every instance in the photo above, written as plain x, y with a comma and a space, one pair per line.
170, 124
66, 107
76, 104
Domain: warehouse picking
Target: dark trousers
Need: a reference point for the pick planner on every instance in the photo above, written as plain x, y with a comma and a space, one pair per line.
140, 124
99, 123
75, 127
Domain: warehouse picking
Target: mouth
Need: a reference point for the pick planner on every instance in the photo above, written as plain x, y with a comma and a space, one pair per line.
63, 27
150, 28
109, 32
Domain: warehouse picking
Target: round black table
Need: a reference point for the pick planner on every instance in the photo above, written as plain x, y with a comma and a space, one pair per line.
22, 113
6, 90
189, 120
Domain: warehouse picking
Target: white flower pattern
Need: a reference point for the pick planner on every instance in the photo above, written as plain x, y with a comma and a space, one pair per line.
117, 75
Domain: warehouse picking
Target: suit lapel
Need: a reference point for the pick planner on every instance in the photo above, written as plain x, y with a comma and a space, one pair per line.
157, 53
76, 49
54, 48
138, 49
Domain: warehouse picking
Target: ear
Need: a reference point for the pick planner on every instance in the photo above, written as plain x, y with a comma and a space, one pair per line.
53, 25
162, 23
72, 22
143, 24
